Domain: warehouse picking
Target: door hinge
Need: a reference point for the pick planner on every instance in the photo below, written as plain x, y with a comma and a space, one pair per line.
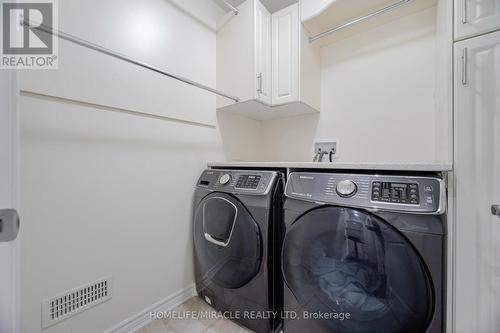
9, 225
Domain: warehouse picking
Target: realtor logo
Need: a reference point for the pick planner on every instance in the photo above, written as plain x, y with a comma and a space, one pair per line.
24, 44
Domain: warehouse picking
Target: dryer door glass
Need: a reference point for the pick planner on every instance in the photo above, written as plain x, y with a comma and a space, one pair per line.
227, 242
347, 262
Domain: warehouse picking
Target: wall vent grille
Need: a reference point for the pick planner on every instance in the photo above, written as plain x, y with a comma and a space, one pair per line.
71, 302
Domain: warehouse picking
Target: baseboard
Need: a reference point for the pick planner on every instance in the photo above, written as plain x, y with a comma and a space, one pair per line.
143, 318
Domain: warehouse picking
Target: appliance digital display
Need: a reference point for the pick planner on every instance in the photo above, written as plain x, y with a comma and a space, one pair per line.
399, 191
248, 182
405, 193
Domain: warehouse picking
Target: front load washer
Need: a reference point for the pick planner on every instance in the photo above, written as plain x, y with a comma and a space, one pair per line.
364, 253
237, 242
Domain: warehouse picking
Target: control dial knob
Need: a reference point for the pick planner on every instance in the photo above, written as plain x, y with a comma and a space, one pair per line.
224, 179
346, 188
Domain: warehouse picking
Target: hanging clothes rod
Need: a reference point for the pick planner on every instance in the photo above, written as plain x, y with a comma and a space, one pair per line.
98, 48
233, 9
358, 20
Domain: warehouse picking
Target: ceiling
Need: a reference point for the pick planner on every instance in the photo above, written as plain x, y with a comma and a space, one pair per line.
271, 5
275, 5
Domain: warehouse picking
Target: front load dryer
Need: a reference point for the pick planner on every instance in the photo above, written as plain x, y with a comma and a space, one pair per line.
237, 241
364, 253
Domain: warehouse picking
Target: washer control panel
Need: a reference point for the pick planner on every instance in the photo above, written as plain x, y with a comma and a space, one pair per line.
252, 182
412, 194
401, 193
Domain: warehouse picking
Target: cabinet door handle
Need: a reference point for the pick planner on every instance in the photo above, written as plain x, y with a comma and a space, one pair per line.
464, 66
259, 77
464, 11
495, 210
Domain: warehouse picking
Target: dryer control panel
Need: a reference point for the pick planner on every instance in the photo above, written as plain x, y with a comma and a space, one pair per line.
411, 194
253, 182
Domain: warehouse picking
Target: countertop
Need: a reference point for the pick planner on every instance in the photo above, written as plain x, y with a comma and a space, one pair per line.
437, 167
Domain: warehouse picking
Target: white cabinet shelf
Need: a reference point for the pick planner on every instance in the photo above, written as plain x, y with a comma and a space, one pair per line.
255, 109
320, 16
265, 59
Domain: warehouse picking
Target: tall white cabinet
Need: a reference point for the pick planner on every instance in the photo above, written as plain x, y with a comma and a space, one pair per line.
473, 17
265, 59
477, 181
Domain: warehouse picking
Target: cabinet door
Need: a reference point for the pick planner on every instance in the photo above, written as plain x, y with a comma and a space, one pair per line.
477, 177
285, 45
473, 17
262, 53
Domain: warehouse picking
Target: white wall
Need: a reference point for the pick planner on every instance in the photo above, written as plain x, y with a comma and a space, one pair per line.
377, 98
242, 137
105, 191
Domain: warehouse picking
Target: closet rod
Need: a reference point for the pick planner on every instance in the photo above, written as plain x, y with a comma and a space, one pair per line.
358, 20
98, 48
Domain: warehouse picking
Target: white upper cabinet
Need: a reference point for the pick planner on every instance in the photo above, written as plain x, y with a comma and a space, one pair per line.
285, 62
262, 53
265, 59
474, 17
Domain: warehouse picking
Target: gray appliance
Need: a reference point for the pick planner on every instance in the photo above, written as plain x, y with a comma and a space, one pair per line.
364, 253
237, 234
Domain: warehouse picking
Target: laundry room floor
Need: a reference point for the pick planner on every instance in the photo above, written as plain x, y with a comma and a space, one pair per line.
192, 325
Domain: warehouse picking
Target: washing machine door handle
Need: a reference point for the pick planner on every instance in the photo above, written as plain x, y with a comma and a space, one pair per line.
217, 240
212, 240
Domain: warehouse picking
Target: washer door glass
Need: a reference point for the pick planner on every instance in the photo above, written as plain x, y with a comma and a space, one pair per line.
227, 241
343, 261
